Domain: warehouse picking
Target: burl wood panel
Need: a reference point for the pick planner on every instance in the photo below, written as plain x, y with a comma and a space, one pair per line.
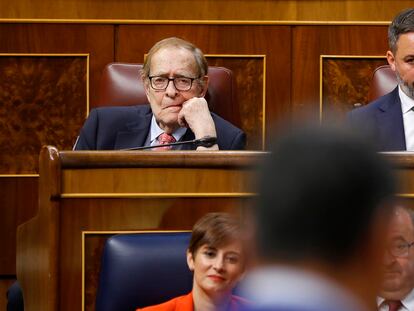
18, 203
43, 101
346, 83
249, 74
378, 10
272, 41
310, 42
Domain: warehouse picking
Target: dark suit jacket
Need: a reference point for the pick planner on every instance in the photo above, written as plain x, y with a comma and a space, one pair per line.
112, 128
382, 120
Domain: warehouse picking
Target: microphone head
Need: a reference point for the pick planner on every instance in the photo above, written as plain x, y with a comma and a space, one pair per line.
206, 141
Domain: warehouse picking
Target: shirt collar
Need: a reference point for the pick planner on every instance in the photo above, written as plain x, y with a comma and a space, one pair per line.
157, 131
407, 302
407, 103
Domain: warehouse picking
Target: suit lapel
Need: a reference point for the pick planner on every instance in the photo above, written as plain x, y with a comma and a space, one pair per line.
137, 130
189, 135
390, 123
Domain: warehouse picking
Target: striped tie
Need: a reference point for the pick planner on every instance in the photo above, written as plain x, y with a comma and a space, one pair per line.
163, 139
393, 305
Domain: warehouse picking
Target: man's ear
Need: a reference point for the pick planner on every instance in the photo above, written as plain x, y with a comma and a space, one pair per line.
204, 86
146, 84
190, 260
391, 60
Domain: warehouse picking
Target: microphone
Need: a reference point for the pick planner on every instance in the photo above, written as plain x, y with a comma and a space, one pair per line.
76, 142
206, 141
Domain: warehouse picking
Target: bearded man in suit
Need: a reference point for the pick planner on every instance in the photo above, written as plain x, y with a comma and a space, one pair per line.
390, 119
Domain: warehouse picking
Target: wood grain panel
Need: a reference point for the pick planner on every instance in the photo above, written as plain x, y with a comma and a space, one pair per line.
44, 101
18, 203
143, 180
135, 40
349, 10
406, 188
18, 197
346, 83
310, 42
249, 73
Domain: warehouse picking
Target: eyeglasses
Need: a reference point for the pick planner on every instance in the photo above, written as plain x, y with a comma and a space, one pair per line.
160, 83
399, 249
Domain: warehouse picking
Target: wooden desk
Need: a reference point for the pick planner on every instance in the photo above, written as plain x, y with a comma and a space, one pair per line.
105, 191
403, 163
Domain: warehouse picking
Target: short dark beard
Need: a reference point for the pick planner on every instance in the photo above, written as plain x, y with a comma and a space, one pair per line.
405, 87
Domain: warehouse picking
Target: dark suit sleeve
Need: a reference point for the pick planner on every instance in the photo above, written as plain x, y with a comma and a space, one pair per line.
239, 141
355, 118
15, 298
88, 133
229, 137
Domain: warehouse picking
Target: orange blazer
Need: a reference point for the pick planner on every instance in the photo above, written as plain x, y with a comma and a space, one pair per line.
185, 303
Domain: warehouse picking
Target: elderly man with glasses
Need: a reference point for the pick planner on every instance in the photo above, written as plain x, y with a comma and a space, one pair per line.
175, 81
397, 290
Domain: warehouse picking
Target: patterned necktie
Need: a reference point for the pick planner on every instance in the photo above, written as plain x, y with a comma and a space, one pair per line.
163, 139
393, 305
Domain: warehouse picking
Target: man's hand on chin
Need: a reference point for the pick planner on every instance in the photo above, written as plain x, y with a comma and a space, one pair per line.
195, 115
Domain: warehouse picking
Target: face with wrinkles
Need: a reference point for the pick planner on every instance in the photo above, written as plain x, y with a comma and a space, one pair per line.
402, 62
398, 271
172, 62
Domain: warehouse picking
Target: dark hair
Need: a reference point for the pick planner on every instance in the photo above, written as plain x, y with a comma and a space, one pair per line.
319, 191
199, 58
215, 230
402, 23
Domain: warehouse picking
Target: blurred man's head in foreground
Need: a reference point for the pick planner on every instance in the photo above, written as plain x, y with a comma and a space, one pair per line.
324, 204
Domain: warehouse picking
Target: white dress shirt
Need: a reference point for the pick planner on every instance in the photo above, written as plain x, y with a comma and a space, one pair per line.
407, 303
156, 131
407, 104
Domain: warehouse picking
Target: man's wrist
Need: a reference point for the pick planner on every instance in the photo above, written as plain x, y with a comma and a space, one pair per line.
214, 147
205, 133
